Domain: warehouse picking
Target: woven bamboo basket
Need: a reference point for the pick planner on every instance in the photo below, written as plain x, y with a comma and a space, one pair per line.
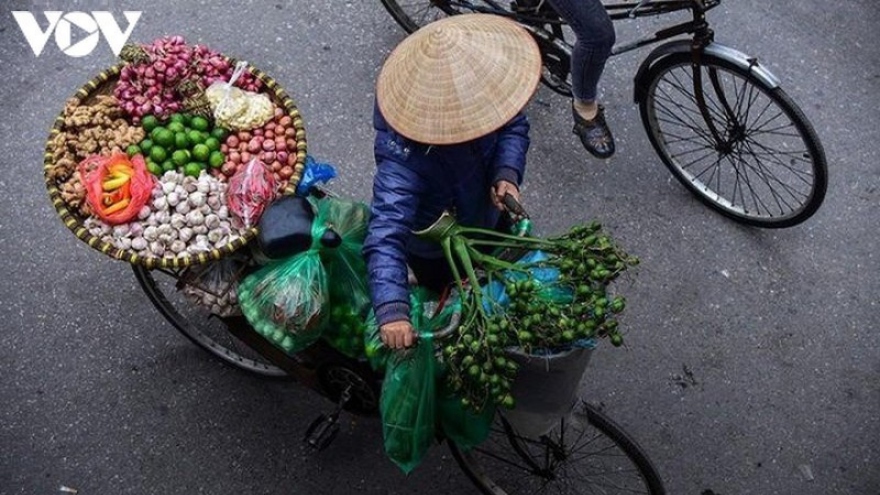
103, 84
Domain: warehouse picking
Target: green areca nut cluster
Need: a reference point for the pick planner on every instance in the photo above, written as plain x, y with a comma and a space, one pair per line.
548, 303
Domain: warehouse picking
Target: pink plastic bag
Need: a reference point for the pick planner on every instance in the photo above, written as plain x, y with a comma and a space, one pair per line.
250, 190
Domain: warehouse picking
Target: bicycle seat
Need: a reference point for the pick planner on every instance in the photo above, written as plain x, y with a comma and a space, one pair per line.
285, 228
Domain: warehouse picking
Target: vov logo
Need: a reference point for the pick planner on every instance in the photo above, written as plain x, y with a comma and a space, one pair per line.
62, 24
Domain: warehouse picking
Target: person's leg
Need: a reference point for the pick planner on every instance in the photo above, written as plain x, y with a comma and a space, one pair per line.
595, 38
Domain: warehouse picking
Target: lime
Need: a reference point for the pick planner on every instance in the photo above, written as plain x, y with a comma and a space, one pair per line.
180, 157
216, 159
181, 142
195, 137
219, 133
176, 117
158, 154
212, 143
187, 118
192, 169
154, 169
175, 127
201, 152
199, 123
132, 150
163, 136
149, 123
145, 145
168, 165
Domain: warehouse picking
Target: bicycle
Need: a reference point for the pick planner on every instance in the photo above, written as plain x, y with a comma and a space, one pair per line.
585, 449
718, 120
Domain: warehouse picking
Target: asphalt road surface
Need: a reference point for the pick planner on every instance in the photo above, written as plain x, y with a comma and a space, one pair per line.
752, 363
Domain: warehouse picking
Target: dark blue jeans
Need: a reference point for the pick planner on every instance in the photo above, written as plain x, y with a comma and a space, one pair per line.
595, 37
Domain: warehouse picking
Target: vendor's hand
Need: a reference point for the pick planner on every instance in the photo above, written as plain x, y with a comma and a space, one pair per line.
501, 188
397, 334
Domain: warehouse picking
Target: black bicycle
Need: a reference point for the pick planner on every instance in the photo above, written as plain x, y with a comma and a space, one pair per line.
581, 452
718, 119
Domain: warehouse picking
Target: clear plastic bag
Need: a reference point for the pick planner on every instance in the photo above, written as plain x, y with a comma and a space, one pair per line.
214, 286
237, 109
250, 191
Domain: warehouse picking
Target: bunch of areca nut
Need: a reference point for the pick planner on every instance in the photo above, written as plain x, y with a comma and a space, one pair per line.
552, 298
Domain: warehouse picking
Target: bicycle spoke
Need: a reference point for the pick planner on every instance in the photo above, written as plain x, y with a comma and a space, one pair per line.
766, 176
794, 156
501, 459
774, 156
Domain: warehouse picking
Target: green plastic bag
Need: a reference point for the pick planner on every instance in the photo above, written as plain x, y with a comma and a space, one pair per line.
408, 404
285, 300
346, 275
346, 266
459, 424
422, 311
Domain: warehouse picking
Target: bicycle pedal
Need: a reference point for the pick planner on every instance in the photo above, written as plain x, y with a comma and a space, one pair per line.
321, 433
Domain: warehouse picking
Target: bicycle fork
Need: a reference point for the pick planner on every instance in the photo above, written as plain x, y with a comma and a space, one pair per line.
723, 143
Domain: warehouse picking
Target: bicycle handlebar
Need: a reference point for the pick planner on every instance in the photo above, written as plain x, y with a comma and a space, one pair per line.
642, 3
514, 208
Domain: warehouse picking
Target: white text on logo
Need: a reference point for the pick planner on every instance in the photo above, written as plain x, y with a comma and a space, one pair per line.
94, 25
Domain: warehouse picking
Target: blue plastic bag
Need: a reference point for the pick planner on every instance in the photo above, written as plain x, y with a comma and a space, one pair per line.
314, 173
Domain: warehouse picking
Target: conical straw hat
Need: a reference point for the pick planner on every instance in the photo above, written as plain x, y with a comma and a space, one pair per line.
458, 78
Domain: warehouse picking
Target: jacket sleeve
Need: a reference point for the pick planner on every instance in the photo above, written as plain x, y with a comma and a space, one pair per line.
396, 190
509, 162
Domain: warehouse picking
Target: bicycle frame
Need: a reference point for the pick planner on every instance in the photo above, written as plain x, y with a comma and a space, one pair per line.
536, 18
697, 26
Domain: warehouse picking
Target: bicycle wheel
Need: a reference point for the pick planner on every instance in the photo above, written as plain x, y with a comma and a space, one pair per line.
413, 14
585, 453
163, 288
763, 165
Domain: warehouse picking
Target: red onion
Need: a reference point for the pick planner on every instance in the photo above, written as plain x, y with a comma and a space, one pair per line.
170, 61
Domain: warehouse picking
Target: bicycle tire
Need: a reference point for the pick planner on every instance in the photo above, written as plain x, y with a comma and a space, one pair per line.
207, 332
508, 464
414, 14
764, 172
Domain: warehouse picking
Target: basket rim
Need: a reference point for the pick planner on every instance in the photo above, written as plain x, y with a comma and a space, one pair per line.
75, 223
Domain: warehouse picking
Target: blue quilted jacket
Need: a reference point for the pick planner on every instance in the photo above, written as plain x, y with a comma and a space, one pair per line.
414, 184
